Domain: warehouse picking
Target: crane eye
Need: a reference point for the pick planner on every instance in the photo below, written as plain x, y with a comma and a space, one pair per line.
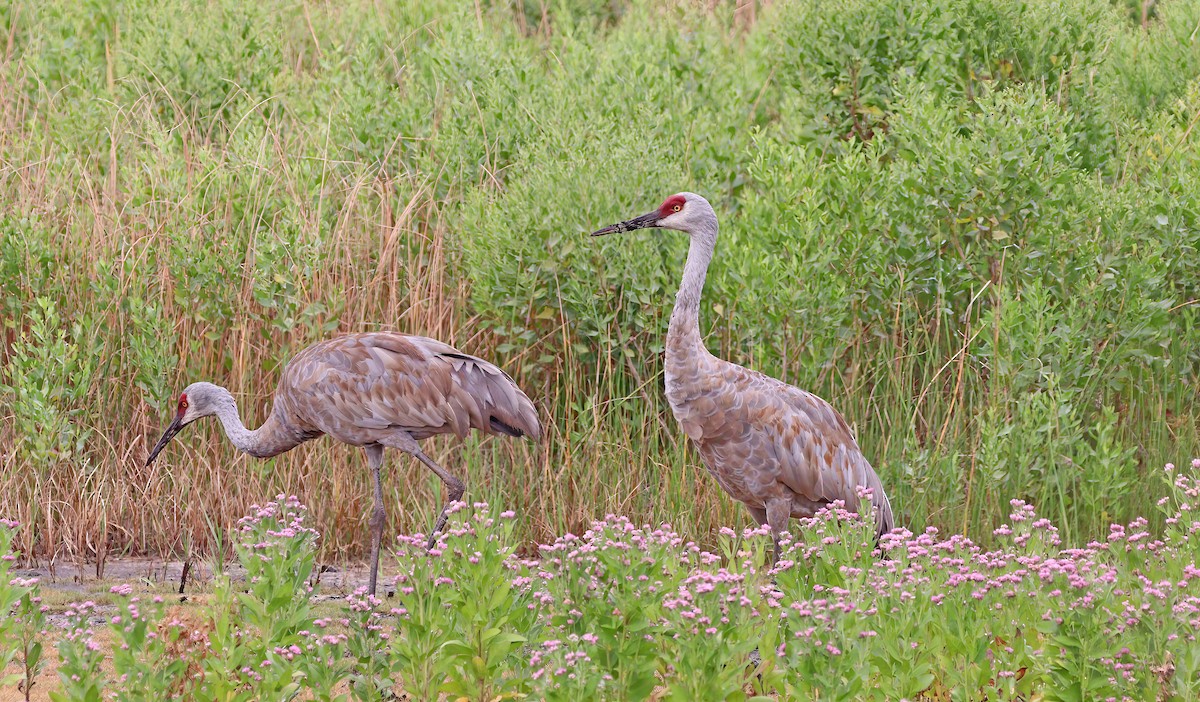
676, 208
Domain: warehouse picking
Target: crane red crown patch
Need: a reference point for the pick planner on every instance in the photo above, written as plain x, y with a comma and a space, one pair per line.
671, 205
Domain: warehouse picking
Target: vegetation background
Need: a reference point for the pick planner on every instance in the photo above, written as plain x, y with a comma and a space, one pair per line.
971, 225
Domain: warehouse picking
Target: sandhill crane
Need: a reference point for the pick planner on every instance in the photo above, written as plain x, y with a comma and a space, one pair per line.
779, 450
373, 390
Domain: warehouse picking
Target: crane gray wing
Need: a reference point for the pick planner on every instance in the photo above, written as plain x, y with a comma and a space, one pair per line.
776, 435
362, 383
819, 457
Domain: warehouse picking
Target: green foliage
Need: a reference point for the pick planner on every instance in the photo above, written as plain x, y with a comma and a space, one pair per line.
141, 654
427, 621
624, 612
462, 618
46, 380
848, 63
80, 656
22, 619
370, 676
704, 638
256, 633
596, 589
494, 616
970, 224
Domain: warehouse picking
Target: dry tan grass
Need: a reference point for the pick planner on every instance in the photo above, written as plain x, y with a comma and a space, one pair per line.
123, 204
112, 503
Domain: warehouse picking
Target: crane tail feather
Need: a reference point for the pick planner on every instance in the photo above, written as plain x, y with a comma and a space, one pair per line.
501, 428
499, 406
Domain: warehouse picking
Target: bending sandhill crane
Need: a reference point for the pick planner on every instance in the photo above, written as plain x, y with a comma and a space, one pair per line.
375, 390
779, 450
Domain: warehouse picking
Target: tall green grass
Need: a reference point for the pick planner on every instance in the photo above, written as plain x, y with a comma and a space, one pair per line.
969, 224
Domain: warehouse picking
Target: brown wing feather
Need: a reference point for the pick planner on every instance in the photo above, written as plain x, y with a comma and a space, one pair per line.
357, 386
764, 439
819, 457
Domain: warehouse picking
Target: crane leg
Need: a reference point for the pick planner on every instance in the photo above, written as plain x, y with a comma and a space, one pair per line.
454, 489
378, 515
454, 486
778, 512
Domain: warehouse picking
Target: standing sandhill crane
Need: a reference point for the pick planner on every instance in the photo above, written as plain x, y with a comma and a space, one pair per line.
375, 390
779, 450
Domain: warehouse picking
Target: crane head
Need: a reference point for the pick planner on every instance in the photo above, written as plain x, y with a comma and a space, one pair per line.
682, 212
197, 400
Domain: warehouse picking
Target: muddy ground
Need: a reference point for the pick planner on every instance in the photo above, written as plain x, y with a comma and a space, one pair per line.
65, 583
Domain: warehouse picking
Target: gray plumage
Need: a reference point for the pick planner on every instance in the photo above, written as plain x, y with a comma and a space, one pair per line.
373, 390
779, 450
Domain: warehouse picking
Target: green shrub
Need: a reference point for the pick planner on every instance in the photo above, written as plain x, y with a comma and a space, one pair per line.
969, 224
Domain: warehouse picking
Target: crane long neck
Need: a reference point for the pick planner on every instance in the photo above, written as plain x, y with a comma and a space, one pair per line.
684, 332
272, 438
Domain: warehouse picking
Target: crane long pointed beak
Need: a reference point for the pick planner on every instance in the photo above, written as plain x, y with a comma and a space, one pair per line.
646, 220
172, 429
